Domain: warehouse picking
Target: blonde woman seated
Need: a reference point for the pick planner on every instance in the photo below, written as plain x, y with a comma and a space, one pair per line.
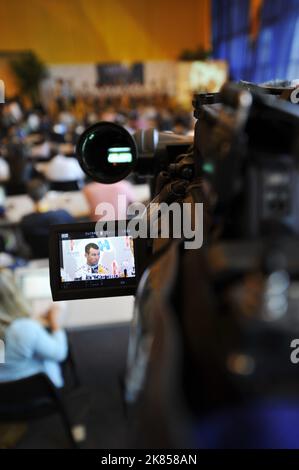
31, 346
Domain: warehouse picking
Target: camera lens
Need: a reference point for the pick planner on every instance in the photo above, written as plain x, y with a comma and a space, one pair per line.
107, 152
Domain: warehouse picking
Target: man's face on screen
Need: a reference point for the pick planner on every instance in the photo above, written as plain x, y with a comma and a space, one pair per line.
92, 257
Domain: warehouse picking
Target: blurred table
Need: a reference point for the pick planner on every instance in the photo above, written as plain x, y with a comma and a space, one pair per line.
89, 312
107, 311
72, 201
34, 283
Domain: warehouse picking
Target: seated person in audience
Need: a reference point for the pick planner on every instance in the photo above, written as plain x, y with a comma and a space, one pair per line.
41, 149
31, 346
4, 170
20, 169
96, 193
63, 168
8, 259
35, 226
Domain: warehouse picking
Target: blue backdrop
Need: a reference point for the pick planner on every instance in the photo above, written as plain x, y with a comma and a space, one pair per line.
274, 54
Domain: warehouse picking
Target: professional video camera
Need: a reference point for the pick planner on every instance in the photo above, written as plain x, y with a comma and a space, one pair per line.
208, 323
213, 327
108, 153
251, 161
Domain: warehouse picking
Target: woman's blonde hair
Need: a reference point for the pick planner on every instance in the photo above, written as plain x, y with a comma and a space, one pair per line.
12, 303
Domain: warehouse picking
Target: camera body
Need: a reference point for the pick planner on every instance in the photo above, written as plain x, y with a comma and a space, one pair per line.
209, 323
243, 165
247, 147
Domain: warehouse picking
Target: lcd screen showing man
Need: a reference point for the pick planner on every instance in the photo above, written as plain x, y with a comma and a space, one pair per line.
85, 259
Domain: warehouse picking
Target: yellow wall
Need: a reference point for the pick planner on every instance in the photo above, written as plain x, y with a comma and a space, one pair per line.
77, 31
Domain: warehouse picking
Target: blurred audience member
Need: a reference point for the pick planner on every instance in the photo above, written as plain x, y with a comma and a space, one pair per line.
35, 226
181, 125
4, 170
31, 346
21, 170
96, 193
41, 149
64, 168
